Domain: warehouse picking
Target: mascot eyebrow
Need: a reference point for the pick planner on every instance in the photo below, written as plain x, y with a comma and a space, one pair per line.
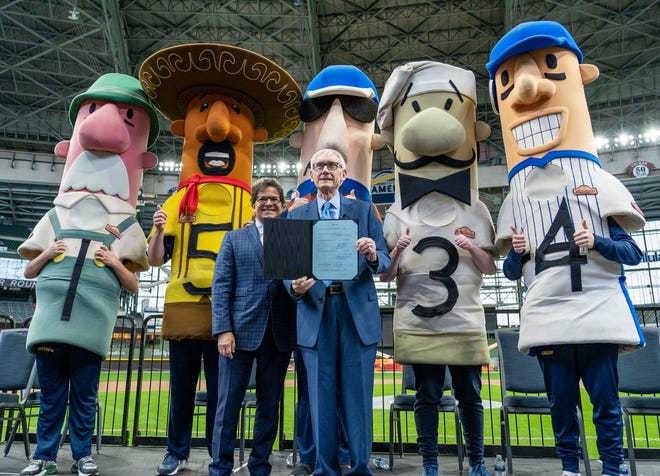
405, 95
555, 76
460, 96
416, 107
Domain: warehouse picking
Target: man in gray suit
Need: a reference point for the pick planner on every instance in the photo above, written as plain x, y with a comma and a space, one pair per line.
253, 318
339, 324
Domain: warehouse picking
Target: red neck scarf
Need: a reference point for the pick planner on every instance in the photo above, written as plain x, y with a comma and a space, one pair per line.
190, 198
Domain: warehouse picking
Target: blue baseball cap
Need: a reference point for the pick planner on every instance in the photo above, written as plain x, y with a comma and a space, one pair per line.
341, 79
530, 36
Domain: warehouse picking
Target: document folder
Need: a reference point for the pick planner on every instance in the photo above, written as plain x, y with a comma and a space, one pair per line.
323, 249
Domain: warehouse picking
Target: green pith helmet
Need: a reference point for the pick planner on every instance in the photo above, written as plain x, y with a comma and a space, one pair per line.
118, 87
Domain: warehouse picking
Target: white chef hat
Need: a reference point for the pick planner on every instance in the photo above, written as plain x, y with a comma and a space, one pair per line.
419, 77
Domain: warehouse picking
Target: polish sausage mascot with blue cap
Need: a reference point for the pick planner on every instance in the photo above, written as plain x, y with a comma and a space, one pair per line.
566, 223
339, 112
83, 252
441, 239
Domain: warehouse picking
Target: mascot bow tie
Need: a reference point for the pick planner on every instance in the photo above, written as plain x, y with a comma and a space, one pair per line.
456, 186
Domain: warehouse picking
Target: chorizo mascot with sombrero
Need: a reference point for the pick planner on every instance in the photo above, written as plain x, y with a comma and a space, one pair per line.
567, 221
221, 99
83, 252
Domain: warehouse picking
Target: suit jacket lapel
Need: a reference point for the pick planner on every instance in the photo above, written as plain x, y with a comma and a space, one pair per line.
346, 207
253, 233
312, 212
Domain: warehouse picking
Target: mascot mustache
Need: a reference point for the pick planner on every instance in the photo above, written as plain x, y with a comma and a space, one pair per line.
441, 159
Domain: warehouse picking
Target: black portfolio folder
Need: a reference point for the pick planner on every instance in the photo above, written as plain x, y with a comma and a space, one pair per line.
323, 249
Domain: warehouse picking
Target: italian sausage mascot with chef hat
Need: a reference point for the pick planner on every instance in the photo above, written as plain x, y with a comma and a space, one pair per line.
566, 223
83, 252
441, 239
221, 99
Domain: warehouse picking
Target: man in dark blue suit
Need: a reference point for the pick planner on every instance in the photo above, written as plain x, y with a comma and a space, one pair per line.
339, 324
253, 318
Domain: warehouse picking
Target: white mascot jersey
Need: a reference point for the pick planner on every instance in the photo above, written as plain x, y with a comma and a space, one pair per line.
573, 296
439, 317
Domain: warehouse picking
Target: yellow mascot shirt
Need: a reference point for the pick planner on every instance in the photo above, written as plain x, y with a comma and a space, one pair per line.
222, 207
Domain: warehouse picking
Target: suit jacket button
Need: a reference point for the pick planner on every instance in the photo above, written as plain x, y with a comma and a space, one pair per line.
320, 299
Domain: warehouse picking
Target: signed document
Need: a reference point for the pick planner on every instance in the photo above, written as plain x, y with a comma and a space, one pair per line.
334, 255
323, 249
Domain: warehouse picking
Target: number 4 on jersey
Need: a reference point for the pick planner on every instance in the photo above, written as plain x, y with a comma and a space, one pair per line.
573, 259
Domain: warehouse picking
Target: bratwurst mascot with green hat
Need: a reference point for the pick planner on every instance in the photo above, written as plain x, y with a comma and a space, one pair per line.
83, 252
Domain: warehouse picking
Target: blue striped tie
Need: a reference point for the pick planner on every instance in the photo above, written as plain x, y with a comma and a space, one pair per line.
327, 213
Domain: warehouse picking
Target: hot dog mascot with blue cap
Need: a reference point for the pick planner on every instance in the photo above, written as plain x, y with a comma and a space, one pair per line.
338, 112
83, 252
567, 221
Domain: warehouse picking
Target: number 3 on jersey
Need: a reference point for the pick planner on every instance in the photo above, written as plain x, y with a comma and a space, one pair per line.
443, 275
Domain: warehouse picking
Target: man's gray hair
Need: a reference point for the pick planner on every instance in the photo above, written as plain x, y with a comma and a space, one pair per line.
333, 152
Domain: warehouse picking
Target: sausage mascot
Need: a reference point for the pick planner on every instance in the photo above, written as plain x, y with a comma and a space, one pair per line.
83, 252
441, 239
339, 112
567, 221
221, 99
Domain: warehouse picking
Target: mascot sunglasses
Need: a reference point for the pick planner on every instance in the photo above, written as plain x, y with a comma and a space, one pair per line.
361, 109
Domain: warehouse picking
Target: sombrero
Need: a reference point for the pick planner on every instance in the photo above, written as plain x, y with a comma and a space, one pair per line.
173, 76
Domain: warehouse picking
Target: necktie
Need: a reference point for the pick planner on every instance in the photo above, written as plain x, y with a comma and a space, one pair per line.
327, 211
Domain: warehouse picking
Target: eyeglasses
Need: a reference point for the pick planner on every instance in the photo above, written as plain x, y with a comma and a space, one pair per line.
273, 200
332, 166
361, 109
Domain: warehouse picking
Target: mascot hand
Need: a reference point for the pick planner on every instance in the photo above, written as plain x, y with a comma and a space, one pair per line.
404, 241
462, 241
584, 238
518, 241
159, 218
297, 202
56, 248
107, 256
